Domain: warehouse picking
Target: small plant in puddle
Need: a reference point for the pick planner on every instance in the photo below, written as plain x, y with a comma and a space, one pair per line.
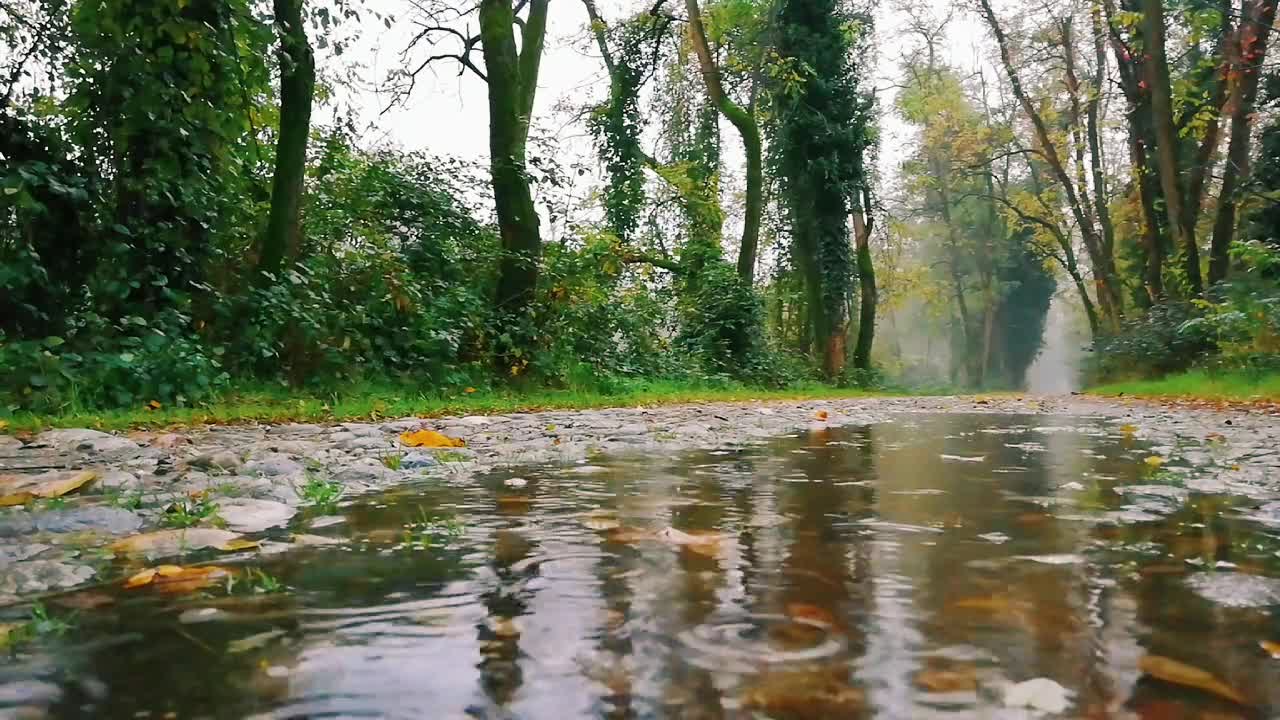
40, 624
393, 461
321, 493
428, 530
256, 582
190, 512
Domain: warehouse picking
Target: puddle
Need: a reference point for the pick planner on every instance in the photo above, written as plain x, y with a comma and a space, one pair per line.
929, 570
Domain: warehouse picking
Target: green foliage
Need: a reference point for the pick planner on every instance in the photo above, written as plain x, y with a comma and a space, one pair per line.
320, 493
190, 512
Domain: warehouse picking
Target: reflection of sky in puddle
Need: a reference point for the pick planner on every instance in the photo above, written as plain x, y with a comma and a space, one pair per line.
860, 572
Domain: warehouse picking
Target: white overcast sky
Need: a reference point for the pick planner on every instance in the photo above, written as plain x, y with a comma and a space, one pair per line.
448, 113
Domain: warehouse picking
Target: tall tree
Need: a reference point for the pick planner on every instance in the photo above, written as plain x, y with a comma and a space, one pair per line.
824, 129
1247, 54
744, 121
297, 86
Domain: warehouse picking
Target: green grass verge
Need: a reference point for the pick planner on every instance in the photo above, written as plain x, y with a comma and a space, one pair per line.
1237, 385
372, 401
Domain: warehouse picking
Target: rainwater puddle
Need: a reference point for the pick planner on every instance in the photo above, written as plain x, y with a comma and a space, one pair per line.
927, 570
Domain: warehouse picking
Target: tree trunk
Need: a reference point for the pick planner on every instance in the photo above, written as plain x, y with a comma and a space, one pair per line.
745, 123
1157, 76
1109, 296
862, 224
512, 79
1248, 54
297, 85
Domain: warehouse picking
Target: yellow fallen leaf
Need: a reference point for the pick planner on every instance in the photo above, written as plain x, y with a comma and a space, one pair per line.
174, 542
4, 425
469, 390
22, 489
174, 579
1154, 461
153, 405
1179, 673
821, 415
1128, 429
1272, 648
429, 438
143, 578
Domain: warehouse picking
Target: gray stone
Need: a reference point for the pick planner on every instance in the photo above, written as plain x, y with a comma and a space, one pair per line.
217, 460
273, 465
366, 472
15, 553
16, 522
117, 480
1235, 590
116, 521
29, 692
250, 515
416, 460
365, 443
33, 576
9, 443
85, 440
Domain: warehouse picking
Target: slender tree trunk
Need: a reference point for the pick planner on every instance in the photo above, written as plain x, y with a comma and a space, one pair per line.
297, 86
512, 83
745, 123
862, 224
1249, 53
1109, 296
1157, 67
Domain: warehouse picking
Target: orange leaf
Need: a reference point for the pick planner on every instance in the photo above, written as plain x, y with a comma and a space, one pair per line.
177, 579
154, 405
1179, 673
469, 390
429, 438
821, 415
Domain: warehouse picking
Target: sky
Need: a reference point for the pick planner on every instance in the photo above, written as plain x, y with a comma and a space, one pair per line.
448, 113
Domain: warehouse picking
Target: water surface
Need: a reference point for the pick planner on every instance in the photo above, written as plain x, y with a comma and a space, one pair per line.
912, 569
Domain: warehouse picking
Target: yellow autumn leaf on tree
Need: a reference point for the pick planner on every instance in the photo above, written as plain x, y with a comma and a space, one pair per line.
429, 438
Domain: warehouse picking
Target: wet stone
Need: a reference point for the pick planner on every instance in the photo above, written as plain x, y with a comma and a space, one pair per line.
1236, 590
217, 460
272, 466
33, 576
115, 521
250, 515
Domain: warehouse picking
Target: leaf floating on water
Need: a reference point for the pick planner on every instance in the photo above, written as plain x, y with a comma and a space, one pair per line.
811, 613
429, 438
175, 579
947, 681
22, 489
174, 542
1180, 673
1272, 648
678, 537
963, 458
601, 522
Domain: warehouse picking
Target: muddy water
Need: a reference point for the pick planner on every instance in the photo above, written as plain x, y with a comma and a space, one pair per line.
913, 569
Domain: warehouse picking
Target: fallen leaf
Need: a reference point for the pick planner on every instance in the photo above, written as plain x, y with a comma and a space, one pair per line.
810, 613
253, 642
1179, 673
84, 600
1128, 429
429, 438
821, 415
6, 632
174, 542
804, 694
469, 390
1154, 461
947, 681
153, 405
1272, 648
4, 425
600, 522
22, 489
175, 579
679, 537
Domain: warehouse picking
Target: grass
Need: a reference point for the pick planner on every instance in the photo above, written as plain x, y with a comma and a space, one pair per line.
366, 402
1228, 385
189, 513
320, 493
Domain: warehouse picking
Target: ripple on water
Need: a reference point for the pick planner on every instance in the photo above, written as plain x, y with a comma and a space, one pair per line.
1235, 590
756, 641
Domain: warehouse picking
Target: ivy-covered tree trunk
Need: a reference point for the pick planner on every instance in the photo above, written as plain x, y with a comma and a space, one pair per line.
512, 76
1247, 56
745, 122
297, 86
824, 130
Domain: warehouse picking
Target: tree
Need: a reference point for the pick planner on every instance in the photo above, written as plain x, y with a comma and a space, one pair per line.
743, 119
1248, 51
824, 130
297, 85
